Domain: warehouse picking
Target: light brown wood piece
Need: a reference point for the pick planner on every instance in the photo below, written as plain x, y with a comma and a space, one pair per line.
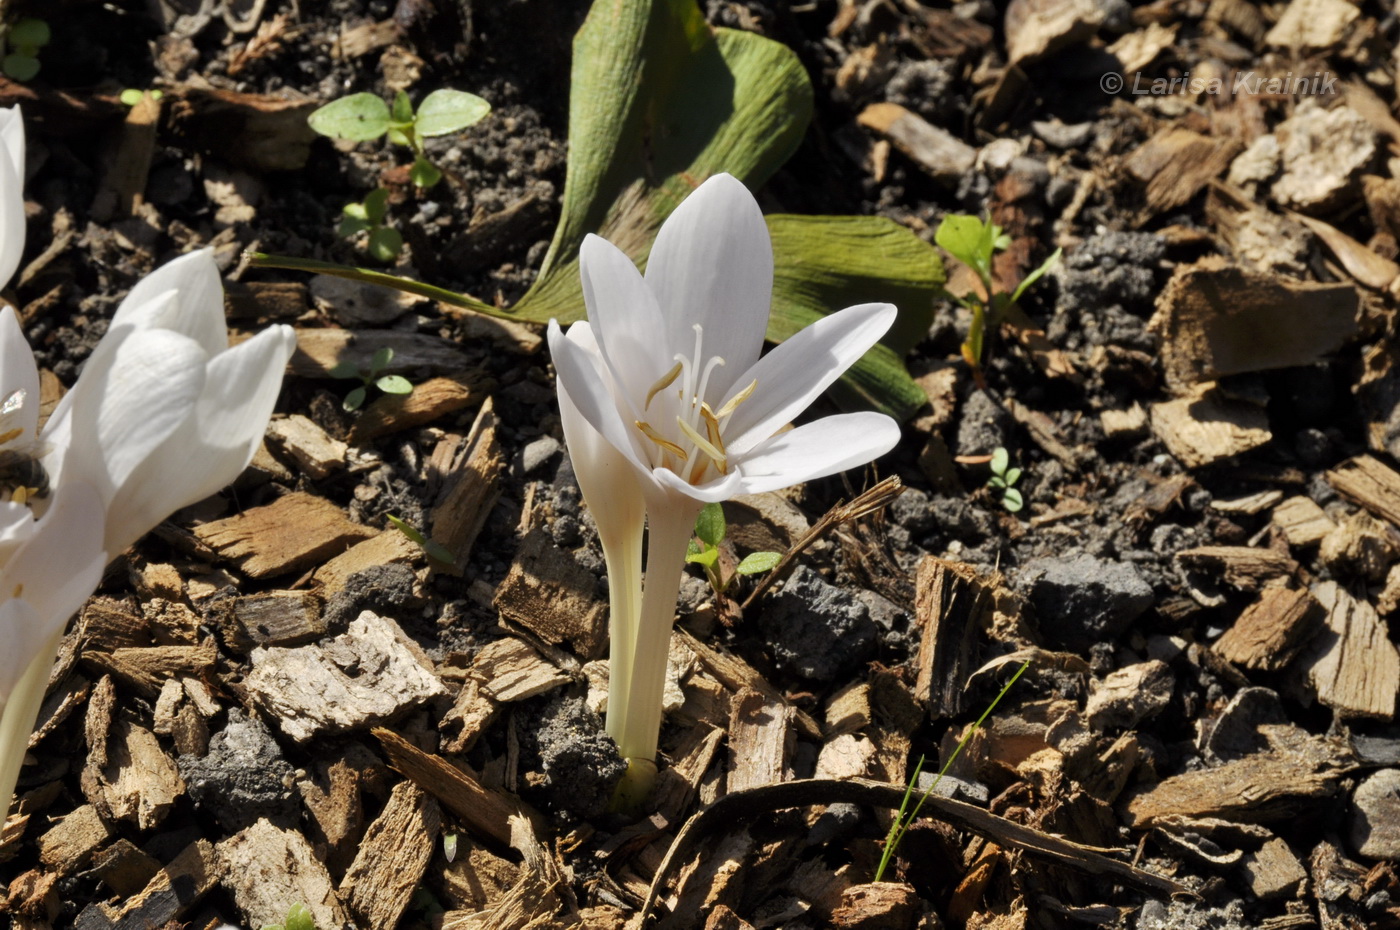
393, 857
1243, 567
1271, 631
847, 755
71, 842
429, 401
257, 131
761, 739
290, 534
736, 675
125, 868
146, 669
722, 918
1371, 483
1215, 319
1205, 426
475, 877
1352, 663
1360, 261
132, 779
366, 676
1035, 30
1360, 545
337, 812
124, 184
953, 605
1323, 153
1176, 164
1302, 521
169, 896
472, 713
848, 710
157, 579
388, 547
1273, 871
312, 448
273, 618
484, 812
510, 669
554, 597
1122, 424
108, 624
320, 350
266, 869
942, 155
471, 489
877, 906
678, 783
1312, 24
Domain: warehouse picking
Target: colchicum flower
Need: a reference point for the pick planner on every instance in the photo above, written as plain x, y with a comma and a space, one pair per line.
667, 405
164, 414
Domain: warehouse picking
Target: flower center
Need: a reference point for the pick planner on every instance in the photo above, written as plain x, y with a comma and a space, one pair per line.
694, 443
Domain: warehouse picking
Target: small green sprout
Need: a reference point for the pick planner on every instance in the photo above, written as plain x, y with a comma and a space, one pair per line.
710, 529
905, 817
385, 243
973, 242
298, 918
132, 95
389, 384
25, 38
449, 840
438, 553
1003, 479
361, 117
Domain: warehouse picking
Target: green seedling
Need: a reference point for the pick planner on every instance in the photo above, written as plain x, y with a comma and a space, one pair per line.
374, 375
905, 817
974, 242
385, 243
704, 551
438, 553
132, 95
298, 918
1003, 480
361, 117
24, 40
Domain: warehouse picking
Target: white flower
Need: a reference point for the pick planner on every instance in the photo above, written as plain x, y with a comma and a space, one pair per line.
665, 399
164, 414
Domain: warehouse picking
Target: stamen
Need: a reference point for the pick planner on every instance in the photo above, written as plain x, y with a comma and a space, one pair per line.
701, 442
733, 403
666, 381
710, 366
10, 434
712, 427
655, 437
20, 495
698, 471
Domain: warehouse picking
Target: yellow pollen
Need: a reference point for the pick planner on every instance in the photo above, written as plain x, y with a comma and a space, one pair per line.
733, 403
665, 444
666, 380
20, 495
701, 443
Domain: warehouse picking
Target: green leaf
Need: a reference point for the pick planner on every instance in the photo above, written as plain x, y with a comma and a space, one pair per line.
968, 240
354, 400
299, 918
408, 529
1012, 476
424, 173
20, 67
449, 846
349, 227
402, 112
996, 481
1000, 459
385, 243
439, 553
376, 205
706, 556
709, 526
358, 117
1036, 275
356, 211
381, 359
394, 384
445, 111
1012, 501
30, 33
344, 370
131, 96
755, 563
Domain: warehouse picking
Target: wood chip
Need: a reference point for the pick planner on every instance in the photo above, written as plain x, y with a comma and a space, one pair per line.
1271, 631
466, 499
1353, 664
1360, 545
1038, 28
1312, 24
273, 618
132, 778
1302, 521
944, 156
1176, 164
736, 674
264, 868
761, 740
315, 452
1218, 319
428, 402
554, 597
320, 350
363, 677
1249, 504
71, 842
1323, 152
125, 868
393, 856
1371, 483
1243, 567
510, 669
1124, 424
255, 131
953, 606
169, 896
290, 534
1273, 871
1206, 426
387, 548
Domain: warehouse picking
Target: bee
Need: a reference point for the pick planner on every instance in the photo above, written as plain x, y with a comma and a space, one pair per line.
22, 476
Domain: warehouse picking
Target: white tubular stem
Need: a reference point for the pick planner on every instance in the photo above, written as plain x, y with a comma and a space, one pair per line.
17, 717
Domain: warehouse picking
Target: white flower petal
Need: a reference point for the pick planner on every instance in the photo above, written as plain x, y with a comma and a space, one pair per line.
62, 562
624, 315
17, 373
712, 264
818, 449
720, 489
212, 445
16, 527
11, 193
198, 307
578, 371
12, 136
795, 372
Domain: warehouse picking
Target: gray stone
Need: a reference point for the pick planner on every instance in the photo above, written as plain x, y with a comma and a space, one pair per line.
1375, 816
243, 776
579, 765
816, 630
984, 425
1082, 600
537, 454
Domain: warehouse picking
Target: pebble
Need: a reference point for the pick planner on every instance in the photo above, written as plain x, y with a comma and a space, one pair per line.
817, 630
1081, 600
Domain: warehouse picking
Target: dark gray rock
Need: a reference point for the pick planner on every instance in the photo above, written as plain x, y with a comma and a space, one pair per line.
1081, 600
384, 589
579, 765
816, 630
243, 776
984, 425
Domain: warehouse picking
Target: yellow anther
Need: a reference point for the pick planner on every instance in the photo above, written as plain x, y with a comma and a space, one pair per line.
733, 403
20, 495
655, 437
666, 381
712, 428
701, 442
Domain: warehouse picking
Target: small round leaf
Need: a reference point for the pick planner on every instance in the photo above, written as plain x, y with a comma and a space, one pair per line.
709, 526
756, 563
1012, 501
357, 118
381, 359
299, 918
344, 370
424, 173
385, 244
354, 399
20, 67
376, 205
402, 111
1000, 459
30, 32
445, 111
131, 96
394, 384
1012, 476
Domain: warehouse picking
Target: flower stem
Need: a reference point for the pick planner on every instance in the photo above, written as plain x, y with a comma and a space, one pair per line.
18, 715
